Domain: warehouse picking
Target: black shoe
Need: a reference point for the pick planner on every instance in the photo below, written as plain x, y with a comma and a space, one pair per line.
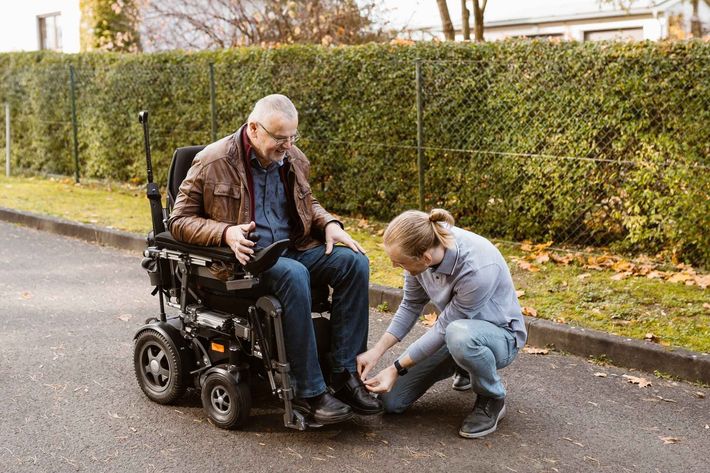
487, 412
350, 389
324, 408
462, 380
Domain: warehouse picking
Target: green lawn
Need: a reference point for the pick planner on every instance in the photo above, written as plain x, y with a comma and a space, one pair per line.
675, 314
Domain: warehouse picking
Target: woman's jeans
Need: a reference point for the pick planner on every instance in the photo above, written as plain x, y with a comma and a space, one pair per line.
479, 347
290, 281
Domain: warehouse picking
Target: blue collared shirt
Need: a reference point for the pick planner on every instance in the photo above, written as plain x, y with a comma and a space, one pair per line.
471, 282
270, 202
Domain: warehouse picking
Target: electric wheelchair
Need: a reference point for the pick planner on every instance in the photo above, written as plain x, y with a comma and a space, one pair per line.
225, 336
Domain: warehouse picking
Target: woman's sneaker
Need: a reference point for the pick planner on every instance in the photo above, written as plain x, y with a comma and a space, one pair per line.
484, 418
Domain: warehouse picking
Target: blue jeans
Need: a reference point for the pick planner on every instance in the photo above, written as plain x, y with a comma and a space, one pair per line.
290, 280
479, 347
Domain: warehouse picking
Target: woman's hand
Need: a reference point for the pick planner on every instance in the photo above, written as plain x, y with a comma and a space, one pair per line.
383, 382
366, 361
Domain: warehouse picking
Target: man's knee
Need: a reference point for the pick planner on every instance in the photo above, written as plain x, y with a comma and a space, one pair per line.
458, 338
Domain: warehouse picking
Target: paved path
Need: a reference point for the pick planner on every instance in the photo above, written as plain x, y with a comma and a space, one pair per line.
69, 400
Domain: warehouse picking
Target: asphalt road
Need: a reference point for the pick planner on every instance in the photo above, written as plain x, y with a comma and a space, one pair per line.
69, 400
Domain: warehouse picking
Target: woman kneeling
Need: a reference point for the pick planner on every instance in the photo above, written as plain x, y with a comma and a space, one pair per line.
480, 328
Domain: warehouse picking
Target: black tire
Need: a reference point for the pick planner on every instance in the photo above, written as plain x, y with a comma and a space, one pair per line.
226, 402
158, 368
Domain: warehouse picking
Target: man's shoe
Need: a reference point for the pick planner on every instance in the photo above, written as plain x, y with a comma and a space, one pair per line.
323, 409
487, 412
350, 389
462, 381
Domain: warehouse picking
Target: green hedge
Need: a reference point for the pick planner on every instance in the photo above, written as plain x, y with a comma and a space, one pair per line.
502, 122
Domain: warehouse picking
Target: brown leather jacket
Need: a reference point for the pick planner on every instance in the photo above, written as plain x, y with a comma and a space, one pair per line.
218, 192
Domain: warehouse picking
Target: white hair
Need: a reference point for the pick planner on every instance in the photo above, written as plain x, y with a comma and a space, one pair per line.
271, 105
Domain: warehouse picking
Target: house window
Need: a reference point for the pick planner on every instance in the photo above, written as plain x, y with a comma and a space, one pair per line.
49, 32
620, 34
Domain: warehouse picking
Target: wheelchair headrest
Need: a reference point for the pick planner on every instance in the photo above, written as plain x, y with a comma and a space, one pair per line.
182, 160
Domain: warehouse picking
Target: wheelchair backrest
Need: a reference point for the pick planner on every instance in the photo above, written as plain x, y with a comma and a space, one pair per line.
182, 160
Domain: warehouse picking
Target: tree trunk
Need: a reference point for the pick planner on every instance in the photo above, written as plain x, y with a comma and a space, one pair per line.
465, 15
696, 27
446, 20
478, 11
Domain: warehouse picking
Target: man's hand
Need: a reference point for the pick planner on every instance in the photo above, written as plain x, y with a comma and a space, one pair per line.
236, 238
383, 382
366, 361
334, 234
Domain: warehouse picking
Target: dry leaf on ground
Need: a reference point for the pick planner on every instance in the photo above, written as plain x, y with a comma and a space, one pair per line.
600, 375
529, 311
536, 351
428, 320
26, 295
125, 317
651, 337
583, 276
642, 382
667, 440
522, 293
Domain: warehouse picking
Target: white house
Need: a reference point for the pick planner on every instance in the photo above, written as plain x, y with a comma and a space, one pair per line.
33, 25
582, 20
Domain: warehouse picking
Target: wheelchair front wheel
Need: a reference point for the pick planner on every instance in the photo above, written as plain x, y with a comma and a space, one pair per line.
225, 401
158, 368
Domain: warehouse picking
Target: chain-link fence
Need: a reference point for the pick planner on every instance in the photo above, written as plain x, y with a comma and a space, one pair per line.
517, 150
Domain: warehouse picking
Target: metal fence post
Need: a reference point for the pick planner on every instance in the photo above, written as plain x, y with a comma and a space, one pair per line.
420, 133
7, 139
213, 103
72, 83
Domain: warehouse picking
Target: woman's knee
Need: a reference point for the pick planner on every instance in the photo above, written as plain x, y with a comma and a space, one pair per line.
393, 404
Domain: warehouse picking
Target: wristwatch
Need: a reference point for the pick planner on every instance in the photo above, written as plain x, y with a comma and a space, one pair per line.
401, 370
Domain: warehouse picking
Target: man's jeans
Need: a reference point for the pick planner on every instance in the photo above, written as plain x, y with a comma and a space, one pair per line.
477, 346
290, 281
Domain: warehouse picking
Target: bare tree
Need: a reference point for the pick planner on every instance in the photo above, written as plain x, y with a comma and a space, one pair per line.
446, 20
696, 26
465, 25
478, 10
217, 24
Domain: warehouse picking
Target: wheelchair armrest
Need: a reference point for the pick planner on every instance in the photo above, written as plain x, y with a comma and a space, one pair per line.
220, 253
261, 260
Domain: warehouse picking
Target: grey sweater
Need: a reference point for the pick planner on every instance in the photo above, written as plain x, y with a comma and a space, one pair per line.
471, 282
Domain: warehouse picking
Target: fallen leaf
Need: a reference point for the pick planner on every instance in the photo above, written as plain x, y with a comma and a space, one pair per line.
620, 276
528, 266
536, 351
125, 317
700, 395
522, 293
667, 440
642, 382
600, 375
529, 311
679, 277
429, 319
651, 337
655, 275
703, 281
622, 266
583, 276
26, 295
542, 258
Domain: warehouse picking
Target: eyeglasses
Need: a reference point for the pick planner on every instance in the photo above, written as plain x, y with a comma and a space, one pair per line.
281, 139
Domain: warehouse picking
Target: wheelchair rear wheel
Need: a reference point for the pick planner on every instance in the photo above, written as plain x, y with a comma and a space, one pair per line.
158, 368
226, 402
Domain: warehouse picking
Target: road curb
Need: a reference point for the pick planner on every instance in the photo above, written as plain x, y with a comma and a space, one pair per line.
620, 351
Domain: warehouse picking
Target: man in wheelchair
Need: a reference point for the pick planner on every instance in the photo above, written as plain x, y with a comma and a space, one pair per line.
256, 181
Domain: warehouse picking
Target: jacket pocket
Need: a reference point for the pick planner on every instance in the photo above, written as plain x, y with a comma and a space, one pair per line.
226, 202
